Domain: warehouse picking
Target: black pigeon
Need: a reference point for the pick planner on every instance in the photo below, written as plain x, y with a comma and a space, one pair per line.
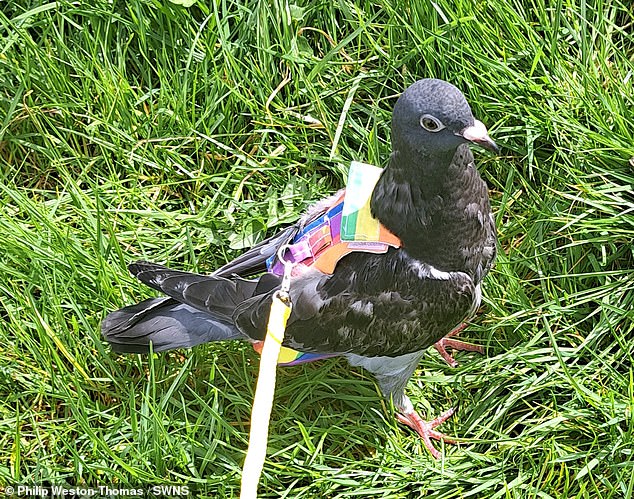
380, 311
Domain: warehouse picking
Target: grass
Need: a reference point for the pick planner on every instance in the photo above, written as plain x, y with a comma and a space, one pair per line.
142, 129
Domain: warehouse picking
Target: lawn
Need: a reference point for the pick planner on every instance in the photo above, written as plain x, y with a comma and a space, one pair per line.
144, 129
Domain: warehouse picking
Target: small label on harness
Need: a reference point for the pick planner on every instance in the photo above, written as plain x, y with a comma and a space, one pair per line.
357, 222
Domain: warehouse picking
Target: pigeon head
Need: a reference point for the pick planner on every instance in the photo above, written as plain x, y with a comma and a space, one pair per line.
432, 118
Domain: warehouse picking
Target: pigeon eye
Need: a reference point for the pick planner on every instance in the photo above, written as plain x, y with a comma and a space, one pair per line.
431, 123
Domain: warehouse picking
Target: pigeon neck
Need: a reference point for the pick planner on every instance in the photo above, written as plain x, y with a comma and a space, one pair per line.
408, 188
414, 194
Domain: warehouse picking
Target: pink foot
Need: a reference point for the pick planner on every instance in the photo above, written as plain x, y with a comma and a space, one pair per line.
257, 346
426, 428
447, 341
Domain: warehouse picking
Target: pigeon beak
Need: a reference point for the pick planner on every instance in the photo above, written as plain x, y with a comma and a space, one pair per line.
477, 133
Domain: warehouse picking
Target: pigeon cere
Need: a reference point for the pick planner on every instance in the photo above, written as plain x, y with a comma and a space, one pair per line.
381, 270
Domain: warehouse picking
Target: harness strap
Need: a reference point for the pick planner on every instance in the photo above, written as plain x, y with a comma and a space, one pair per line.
320, 243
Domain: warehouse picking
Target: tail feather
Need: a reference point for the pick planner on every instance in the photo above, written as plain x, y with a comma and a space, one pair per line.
165, 323
217, 295
200, 309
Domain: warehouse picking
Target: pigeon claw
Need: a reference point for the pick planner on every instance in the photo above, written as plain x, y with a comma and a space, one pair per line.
442, 344
425, 429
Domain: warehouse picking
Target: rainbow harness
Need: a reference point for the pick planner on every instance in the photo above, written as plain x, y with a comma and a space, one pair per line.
346, 227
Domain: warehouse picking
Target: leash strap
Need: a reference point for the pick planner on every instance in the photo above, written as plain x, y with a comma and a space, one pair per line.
281, 307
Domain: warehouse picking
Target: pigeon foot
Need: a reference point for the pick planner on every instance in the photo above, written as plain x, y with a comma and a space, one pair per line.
442, 344
426, 428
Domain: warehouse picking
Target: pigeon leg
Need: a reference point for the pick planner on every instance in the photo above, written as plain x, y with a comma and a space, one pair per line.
448, 341
392, 374
426, 428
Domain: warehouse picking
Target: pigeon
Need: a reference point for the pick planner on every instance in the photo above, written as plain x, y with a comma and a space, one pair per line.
380, 311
